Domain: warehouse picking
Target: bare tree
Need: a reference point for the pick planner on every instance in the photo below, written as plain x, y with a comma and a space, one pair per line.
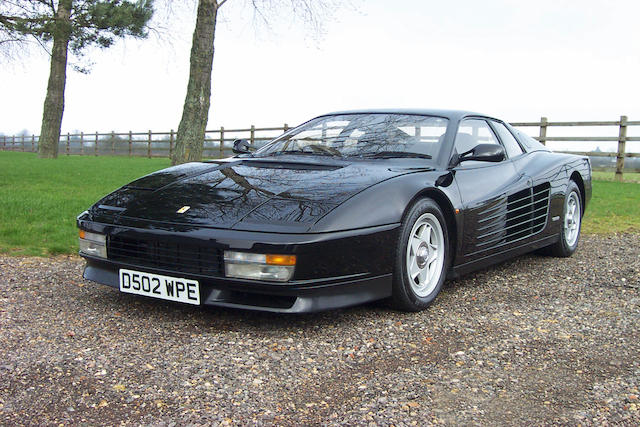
67, 25
195, 113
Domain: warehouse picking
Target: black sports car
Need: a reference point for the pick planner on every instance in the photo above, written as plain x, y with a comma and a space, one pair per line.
348, 207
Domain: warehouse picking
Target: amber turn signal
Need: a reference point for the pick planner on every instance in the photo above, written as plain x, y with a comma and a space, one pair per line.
281, 259
81, 234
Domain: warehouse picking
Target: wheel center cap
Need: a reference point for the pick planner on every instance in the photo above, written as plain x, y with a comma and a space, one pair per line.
422, 255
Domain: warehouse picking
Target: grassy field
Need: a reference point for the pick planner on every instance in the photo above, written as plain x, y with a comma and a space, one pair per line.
610, 176
39, 199
614, 207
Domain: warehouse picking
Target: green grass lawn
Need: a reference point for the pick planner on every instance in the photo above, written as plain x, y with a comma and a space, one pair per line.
614, 207
40, 199
610, 176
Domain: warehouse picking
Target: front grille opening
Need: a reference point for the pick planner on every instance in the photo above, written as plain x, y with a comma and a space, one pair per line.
255, 300
154, 253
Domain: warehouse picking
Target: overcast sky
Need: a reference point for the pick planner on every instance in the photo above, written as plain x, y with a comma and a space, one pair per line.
518, 60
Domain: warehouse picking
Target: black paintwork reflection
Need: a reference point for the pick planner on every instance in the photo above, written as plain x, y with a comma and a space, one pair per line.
218, 197
224, 195
121, 198
368, 253
290, 211
107, 208
167, 176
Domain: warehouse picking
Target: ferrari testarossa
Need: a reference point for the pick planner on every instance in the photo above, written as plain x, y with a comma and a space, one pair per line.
346, 208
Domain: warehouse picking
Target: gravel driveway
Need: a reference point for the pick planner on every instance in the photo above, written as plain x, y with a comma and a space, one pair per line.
534, 340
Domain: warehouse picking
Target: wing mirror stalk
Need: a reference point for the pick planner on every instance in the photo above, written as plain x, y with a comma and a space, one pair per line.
242, 146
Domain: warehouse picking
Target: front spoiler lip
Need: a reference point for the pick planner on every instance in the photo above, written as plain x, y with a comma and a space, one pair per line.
307, 297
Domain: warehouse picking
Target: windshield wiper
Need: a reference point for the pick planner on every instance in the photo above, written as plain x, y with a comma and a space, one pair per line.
304, 152
394, 154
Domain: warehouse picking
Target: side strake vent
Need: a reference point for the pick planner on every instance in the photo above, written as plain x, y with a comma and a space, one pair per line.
525, 214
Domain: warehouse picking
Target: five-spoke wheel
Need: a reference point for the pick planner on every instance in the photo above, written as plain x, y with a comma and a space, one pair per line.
425, 254
422, 256
572, 218
571, 221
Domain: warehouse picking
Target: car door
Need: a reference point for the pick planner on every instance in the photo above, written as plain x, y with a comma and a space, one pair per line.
493, 195
541, 182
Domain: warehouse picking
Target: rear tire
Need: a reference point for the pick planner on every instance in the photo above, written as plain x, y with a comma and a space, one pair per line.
422, 257
571, 223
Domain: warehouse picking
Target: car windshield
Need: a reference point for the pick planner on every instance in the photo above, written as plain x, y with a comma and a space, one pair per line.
373, 135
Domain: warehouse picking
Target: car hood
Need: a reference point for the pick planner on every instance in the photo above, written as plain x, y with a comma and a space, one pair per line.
268, 194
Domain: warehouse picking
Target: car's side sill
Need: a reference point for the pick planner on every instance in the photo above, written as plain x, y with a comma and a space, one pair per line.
496, 258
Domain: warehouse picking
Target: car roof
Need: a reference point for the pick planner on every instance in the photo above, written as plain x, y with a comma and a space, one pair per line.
449, 114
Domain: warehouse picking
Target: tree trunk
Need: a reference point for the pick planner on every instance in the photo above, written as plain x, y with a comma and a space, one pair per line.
54, 101
195, 113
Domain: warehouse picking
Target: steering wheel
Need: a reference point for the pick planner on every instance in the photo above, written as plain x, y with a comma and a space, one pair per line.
322, 149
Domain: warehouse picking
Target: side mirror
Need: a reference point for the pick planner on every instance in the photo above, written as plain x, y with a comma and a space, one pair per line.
484, 153
241, 146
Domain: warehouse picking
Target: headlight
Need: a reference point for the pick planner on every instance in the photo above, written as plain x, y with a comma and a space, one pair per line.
93, 244
245, 265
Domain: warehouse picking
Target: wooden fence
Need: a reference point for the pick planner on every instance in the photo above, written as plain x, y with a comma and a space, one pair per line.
623, 125
218, 142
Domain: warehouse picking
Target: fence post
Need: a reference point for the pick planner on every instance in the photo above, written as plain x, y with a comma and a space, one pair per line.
149, 144
130, 143
33, 143
68, 139
622, 140
13, 143
95, 146
171, 144
252, 135
82, 143
221, 141
113, 143
23, 142
543, 130
286, 127
4, 142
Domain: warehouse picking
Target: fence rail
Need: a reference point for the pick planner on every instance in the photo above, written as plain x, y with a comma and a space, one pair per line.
623, 124
218, 142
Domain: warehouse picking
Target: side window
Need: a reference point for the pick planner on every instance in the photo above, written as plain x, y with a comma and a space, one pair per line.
472, 132
511, 146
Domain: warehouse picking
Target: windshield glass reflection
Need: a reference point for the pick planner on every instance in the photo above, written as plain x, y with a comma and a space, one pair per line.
363, 135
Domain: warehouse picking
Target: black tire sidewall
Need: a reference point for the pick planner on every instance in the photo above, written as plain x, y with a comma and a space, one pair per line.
562, 248
403, 295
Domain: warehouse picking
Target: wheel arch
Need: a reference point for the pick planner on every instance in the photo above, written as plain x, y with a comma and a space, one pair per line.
577, 178
448, 211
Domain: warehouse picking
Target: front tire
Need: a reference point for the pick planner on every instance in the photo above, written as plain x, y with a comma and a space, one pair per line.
422, 257
571, 223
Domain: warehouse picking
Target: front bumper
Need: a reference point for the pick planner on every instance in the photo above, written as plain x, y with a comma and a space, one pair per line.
293, 297
334, 269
